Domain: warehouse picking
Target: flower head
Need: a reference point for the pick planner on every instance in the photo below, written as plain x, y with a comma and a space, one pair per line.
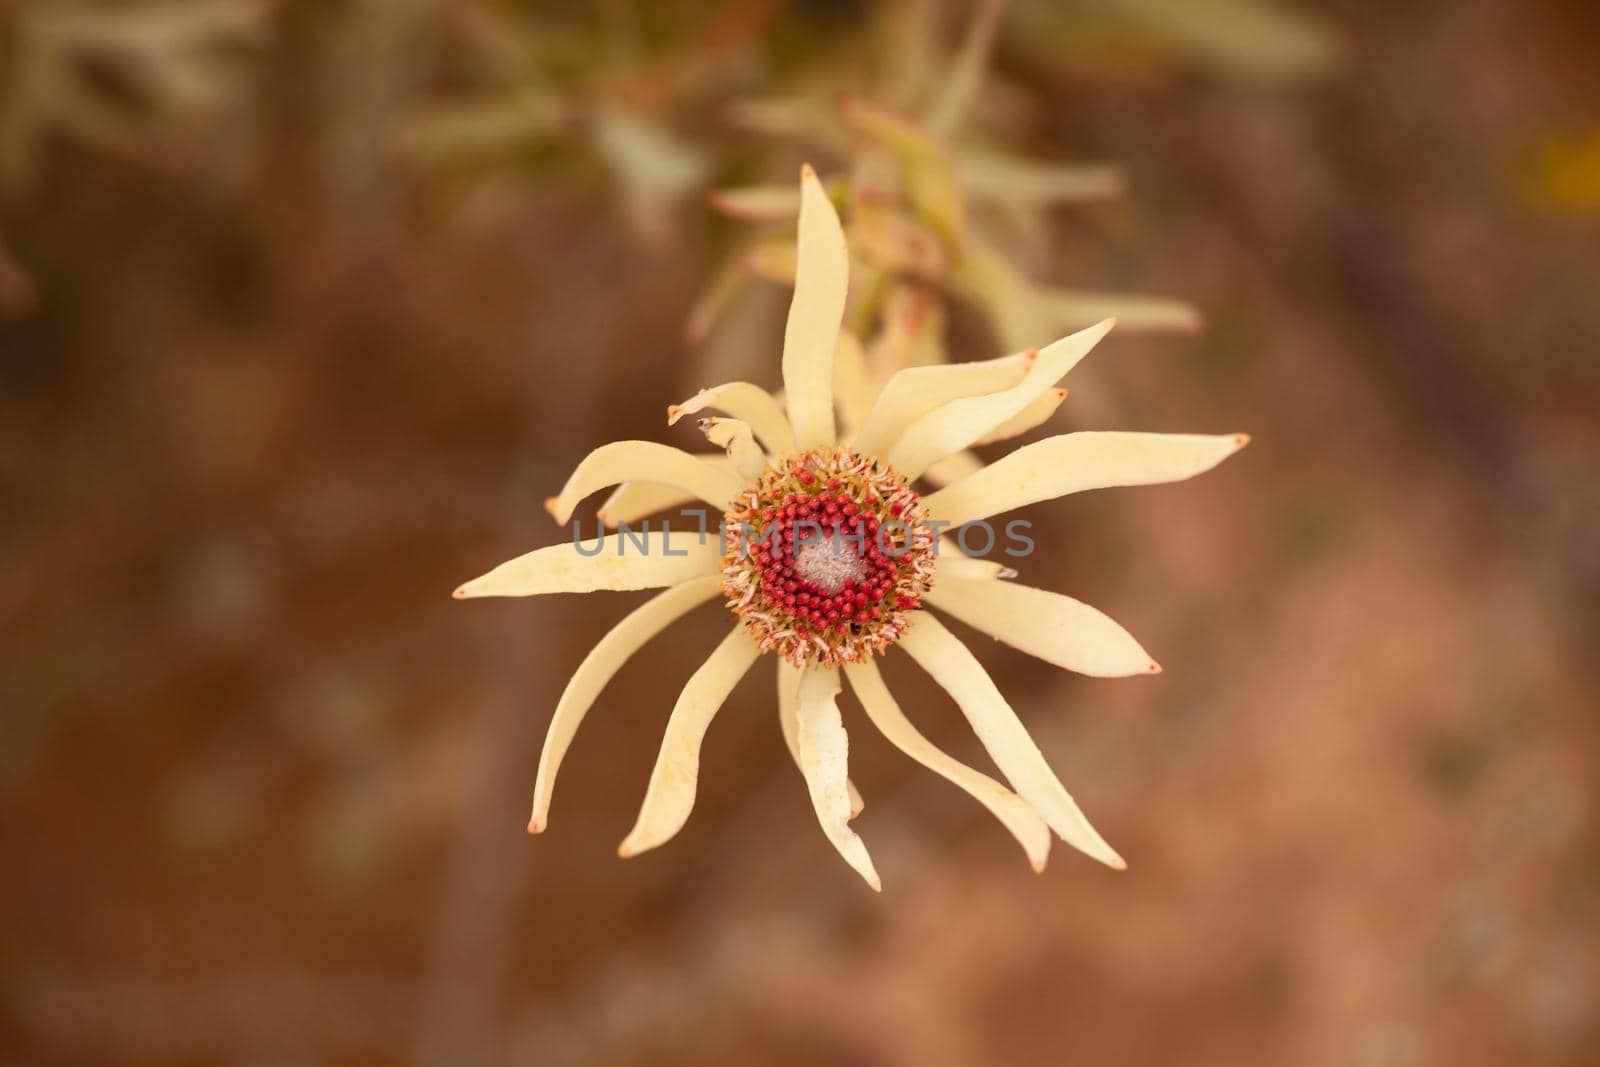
829, 556
826, 557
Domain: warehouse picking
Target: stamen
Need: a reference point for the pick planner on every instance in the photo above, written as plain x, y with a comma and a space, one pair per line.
840, 557
829, 563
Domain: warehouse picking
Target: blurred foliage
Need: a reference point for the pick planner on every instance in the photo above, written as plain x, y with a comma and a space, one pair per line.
1259, 42
611, 86
160, 84
155, 83
931, 195
482, 97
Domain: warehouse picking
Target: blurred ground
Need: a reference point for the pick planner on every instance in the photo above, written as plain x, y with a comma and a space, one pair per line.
263, 784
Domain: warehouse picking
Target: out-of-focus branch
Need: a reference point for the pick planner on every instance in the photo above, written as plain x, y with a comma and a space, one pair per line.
18, 294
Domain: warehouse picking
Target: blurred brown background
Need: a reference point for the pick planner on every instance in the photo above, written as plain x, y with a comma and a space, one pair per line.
269, 388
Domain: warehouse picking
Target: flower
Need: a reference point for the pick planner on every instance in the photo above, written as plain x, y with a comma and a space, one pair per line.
829, 557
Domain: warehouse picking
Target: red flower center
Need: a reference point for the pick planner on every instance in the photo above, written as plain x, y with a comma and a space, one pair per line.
825, 556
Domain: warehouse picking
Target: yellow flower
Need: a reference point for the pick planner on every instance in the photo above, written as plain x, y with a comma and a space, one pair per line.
829, 557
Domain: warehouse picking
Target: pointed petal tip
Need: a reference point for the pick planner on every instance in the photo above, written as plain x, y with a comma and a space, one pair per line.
461, 592
1106, 855
1093, 334
628, 849
535, 826
1240, 440
1038, 862
1154, 668
868, 872
807, 174
674, 413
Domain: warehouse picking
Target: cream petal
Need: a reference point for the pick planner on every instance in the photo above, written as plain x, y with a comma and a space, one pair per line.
789, 722
953, 468
1012, 811
632, 501
734, 435
643, 461
913, 393
954, 563
822, 276
623, 560
597, 669
961, 422
670, 795
954, 667
824, 759
1035, 414
749, 403
852, 383
1056, 628
1074, 462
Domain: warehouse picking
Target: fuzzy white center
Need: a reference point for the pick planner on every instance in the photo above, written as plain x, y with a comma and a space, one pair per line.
829, 563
